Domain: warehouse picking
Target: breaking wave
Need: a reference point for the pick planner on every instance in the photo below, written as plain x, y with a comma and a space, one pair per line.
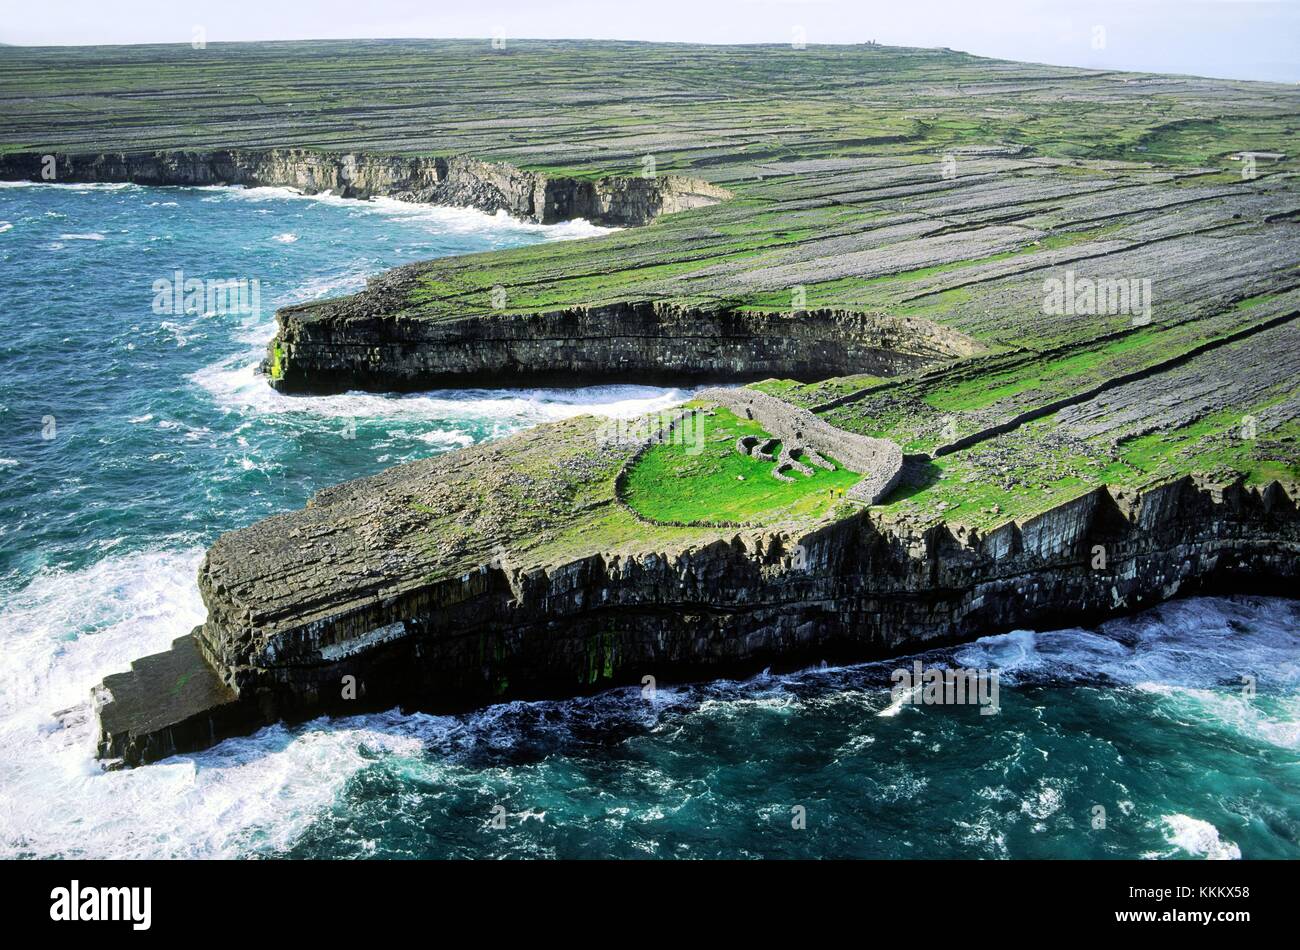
443, 219
682, 755
1198, 838
237, 384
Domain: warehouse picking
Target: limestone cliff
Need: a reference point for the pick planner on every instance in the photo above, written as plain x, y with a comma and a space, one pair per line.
415, 591
452, 180
371, 341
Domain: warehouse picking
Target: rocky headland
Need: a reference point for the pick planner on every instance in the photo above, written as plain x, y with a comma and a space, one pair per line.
877, 240
402, 589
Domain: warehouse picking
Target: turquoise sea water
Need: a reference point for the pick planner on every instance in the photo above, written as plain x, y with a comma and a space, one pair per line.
130, 438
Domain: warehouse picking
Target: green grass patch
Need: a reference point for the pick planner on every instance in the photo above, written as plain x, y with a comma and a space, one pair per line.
717, 483
984, 390
1214, 444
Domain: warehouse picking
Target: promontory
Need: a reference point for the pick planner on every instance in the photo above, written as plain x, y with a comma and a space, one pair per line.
973, 345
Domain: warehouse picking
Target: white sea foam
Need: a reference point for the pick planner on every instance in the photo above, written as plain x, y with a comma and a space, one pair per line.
62, 634
1227, 665
74, 185
91, 236
446, 437
1199, 838
63, 625
903, 698
328, 285
5, 226
65, 630
445, 219
237, 385
984, 834
1200, 644
470, 220
1046, 800
287, 237
1269, 719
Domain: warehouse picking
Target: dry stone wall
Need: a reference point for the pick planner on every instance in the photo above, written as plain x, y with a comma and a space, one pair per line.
879, 460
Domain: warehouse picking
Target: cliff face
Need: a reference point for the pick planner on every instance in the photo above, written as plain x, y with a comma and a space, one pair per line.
343, 602
461, 181
854, 587
373, 341
368, 342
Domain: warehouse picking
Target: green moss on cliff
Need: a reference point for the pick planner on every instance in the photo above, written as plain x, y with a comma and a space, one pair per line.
602, 649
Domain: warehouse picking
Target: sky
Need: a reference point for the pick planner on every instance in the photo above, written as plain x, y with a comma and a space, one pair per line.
1238, 39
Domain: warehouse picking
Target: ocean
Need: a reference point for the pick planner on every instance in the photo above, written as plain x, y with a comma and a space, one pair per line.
133, 432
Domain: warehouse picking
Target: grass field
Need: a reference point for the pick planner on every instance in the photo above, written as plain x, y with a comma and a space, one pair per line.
674, 483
